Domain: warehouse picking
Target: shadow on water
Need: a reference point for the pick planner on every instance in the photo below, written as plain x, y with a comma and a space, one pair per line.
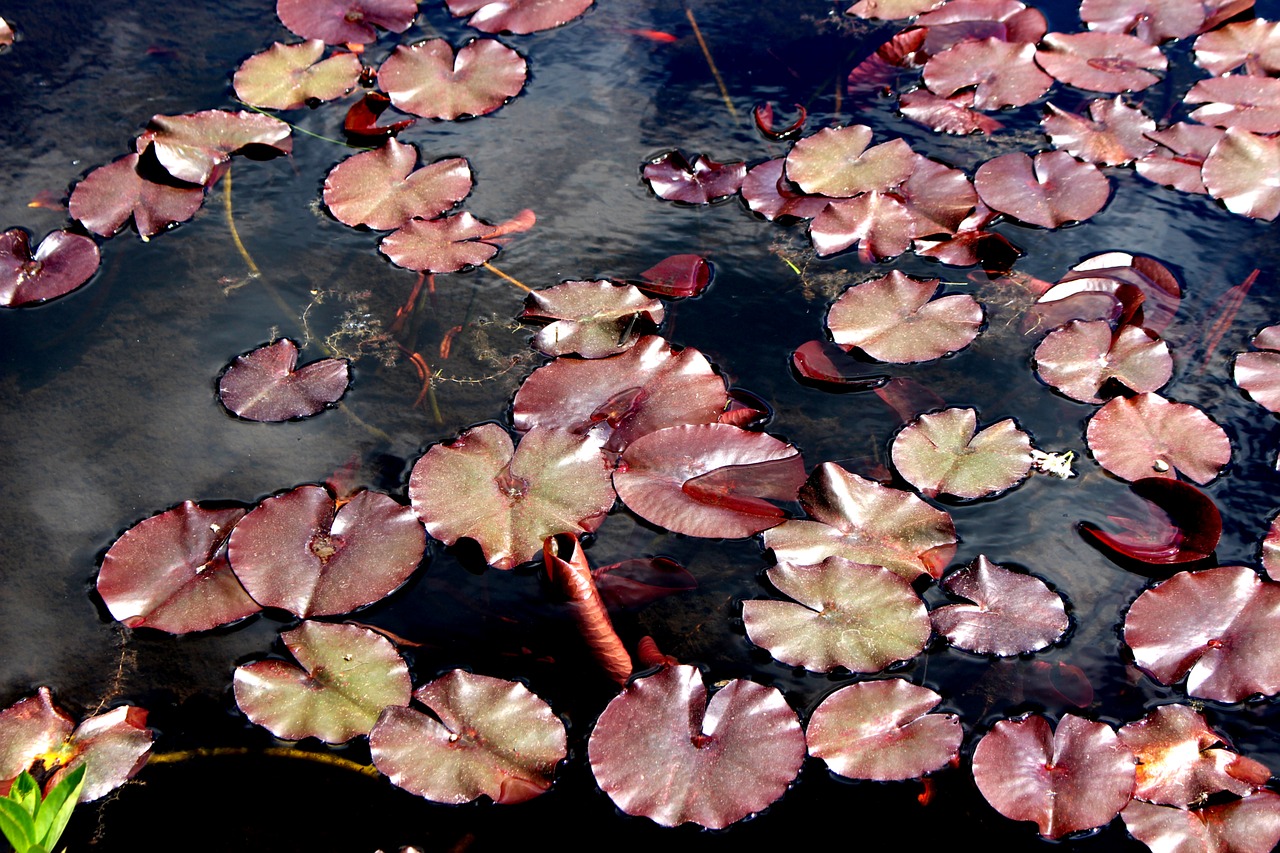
109, 414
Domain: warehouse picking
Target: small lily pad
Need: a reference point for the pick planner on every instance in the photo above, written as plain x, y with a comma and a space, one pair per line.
267, 385
427, 79
895, 319
1011, 613
61, 263
943, 453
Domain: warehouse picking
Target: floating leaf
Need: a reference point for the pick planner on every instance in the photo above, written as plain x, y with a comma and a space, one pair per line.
1005, 73
426, 79
362, 119
1114, 134
946, 115
661, 750
510, 499
1180, 524
1146, 435
1181, 761
110, 195
265, 384
861, 617
62, 262
882, 730
865, 522
892, 319
1101, 62
1247, 103
676, 277
381, 189
345, 21
288, 76
1250, 825
1258, 373
293, 552
1074, 779
191, 145
447, 244
1078, 359
944, 453
487, 737
1218, 627
1149, 292
591, 318
1051, 190
824, 362
674, 178
891, 10
1152, 21
1239, 170
1011, 613
517, 16
768, 192
30, 730
1271, 549
1178, 159
836, 162
1254, 44
346, 676
170, 572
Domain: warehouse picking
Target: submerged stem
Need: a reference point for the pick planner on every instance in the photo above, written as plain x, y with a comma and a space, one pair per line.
711, 63
500, 274
270, 752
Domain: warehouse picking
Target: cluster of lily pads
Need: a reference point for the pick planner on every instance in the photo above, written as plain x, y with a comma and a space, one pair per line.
619, 414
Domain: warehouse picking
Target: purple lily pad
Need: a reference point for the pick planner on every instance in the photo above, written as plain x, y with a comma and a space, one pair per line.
836, 162
1101, 62
346, 675
882, 730
1153, 21
862, 617
509, 499
450, 243
381, 189
647, 388
1050, 191
769, 192
1011, 613
1179, 524
954, 115
676, 277
345, 21
1146, 435
288, 76
879, 222
661, 750
674, 178
1239, 171
1179, 157
62, 262
1258, 373
1254, 44
864, 522
293, 552
266, 384
170, 572
943, 453
192, 145
1114, 134
1218, 627
1005, 73
1249, 825
591, 318
1145, 287
517, 16
893, 319
1244, 102
1076, 778
1078, 359
487, 736
111, 195
427, 79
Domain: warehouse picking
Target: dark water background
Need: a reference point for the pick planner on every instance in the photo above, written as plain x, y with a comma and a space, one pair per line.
109, 413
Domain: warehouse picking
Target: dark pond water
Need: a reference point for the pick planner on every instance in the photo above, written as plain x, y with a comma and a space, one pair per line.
109, 412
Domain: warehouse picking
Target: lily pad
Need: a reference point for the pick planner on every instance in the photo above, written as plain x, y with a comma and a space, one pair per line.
293, 552
266, 384
891, 10
1051, 190
381, 189
954, 115
346, 675
487, 736
447, 244
882, 730
192, 145
1249, 825
1179, 157
1240, 171
1101, 62
1146, 435
1078, 359
517, 16
591, 318
1011, 613
32, 729
676, 277
288, 76
943, 453
1004, 73
1153, 21
427, 79
1254, 44
1115, 133
858, 616
1158, 293
661, 750
701, 181
62, 262
1258, 373
1178, 524
893, 319
1244, 102
509, 499
111, 195
345, 21
836, 162
1220, 628
170, 572
1076, 778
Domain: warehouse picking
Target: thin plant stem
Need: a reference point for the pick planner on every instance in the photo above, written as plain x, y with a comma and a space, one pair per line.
254, 272
500, 274
270, 752
711, 63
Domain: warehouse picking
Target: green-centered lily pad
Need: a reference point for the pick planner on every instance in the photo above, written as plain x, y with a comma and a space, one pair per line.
345, 676
895, 319
287, 76
943, 453
852, 615
488, 736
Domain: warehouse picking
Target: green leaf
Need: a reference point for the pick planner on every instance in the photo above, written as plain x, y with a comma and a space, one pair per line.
16, 824
56, 810
25, 792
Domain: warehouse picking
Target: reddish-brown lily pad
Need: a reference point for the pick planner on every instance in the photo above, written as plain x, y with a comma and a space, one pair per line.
267, 385
1146, 435
882, 730
345, 21
675, 178
111, 195
895, 319
1011, 613
676, 277
192, 145
381, 189
1051, 190
447, 244
1178, 524
288, 76
1254, 44
62, 262
1153, 21
1244, 102
1114, 134
661, 750
1078, 359
1249, 825
1004, 73
1240, 171
953, 115
427, 79
1258, 373
944, 453
1101, 62
591, 318
486, 736
836, 162
517, 16
1179, 157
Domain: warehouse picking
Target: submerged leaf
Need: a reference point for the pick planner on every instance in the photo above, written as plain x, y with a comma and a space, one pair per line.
266, 384
591, 318
943, 453
1181, 524
1011, 613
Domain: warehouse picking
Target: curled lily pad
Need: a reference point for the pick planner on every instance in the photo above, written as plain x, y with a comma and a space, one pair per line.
191, 145
1078, 359
676, 277
295, 552
1217, 627
1051, 190
1011, 613
1146, 435
288, 76
427, 79
345, 21
170, 572
517, 16
857, 616
1148, 291
509, 499
826, 364
700, 181
344, 678
266, 384
381, 188
487, 736
1180, 524
895, 319
943, 453
111, 195
712, 480
661, 750
1075, 778
591, 318
361, 122
62, 262
882, 730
